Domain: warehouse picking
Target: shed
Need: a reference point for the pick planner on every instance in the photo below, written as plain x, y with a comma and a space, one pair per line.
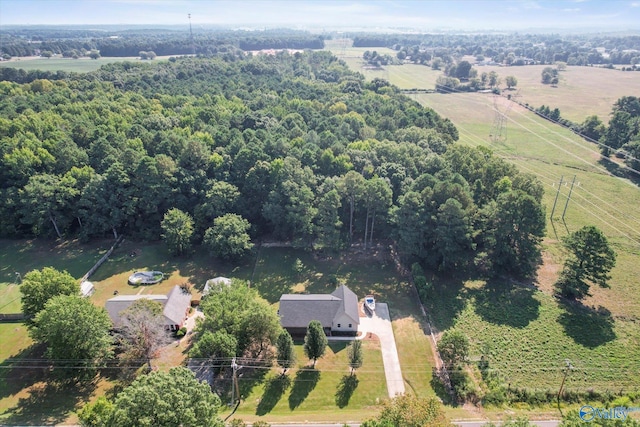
87, 289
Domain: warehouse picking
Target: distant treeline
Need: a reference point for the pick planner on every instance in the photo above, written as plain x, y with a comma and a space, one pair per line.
512, 49
130, 43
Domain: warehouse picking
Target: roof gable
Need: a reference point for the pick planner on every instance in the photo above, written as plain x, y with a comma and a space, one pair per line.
297, 310
175, 305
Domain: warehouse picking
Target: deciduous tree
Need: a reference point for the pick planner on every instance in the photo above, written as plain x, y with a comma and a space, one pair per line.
240, 312
142, 332
171, 398
315, 341
229, 237
75, 331
590, 260
177, 231
454, 348
354, 354
39, 286
286, 354
409, 410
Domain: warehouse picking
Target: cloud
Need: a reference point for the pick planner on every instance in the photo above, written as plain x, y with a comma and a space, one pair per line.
635, 4
571, 10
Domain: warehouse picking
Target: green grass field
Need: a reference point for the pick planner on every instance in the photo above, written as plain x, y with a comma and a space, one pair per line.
529, 341
327, 393
81, 65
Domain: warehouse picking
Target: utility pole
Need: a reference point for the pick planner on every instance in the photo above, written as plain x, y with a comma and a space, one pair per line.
568, 198
234, 381
568, 368
556, 200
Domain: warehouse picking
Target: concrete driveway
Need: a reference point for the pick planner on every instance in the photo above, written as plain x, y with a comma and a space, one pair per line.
380, 324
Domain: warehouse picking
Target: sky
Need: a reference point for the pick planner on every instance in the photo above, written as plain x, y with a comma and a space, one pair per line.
419, 15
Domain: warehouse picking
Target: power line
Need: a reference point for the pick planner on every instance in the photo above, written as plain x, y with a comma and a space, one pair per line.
474, 136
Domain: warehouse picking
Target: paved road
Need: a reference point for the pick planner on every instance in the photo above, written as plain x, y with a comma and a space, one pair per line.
380, 324
553, 423
550, 423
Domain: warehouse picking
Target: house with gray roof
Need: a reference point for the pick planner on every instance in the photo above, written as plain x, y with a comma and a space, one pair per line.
337, 312
175, 304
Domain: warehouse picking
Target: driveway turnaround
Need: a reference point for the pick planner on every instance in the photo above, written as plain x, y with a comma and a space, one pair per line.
380, 324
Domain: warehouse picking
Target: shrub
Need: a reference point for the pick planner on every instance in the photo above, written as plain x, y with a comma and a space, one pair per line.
181, 332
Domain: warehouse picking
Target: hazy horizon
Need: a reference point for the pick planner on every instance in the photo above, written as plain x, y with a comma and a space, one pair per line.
469, 15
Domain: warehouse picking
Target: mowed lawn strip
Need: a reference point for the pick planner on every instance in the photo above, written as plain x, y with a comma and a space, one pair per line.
326, 393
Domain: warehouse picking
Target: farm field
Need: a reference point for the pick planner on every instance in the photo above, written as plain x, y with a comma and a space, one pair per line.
274, 271
525, 332
581, 92
601, 345
80, 65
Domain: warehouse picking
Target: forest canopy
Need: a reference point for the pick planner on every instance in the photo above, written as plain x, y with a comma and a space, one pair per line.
296, 144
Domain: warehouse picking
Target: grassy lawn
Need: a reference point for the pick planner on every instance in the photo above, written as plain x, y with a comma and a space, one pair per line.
326, 393
10, 298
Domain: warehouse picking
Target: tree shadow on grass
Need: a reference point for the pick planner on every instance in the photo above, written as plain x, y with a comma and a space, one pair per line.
347, 386
445, 301
49, 403
273, 391
248, 378
590, 327
618, 170
22, 370
304, 383
501, 303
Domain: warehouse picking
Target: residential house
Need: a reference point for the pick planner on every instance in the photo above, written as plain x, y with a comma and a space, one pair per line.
175, 304
337, 312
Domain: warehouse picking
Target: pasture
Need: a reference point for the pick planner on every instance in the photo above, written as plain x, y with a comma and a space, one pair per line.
581, 92
600, 336
80, 65
524, 331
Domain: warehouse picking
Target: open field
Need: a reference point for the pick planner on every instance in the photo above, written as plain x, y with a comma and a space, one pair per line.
581, 92
529, 338
524, 331
330, 396
80, 65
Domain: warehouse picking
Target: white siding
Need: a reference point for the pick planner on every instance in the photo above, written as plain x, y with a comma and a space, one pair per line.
344, 321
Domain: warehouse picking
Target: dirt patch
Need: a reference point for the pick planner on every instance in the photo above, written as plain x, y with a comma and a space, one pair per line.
548, 273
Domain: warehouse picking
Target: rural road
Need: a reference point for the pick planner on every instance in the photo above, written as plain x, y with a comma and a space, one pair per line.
380, 324
552, 423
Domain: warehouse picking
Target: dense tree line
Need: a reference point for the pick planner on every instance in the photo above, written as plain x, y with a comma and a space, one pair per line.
510, 49
297, 145
110, 42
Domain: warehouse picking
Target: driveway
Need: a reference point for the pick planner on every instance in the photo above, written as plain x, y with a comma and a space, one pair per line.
380, 324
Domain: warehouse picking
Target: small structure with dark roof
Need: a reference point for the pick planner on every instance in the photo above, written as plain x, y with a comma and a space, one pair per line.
175, 304
337, 312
